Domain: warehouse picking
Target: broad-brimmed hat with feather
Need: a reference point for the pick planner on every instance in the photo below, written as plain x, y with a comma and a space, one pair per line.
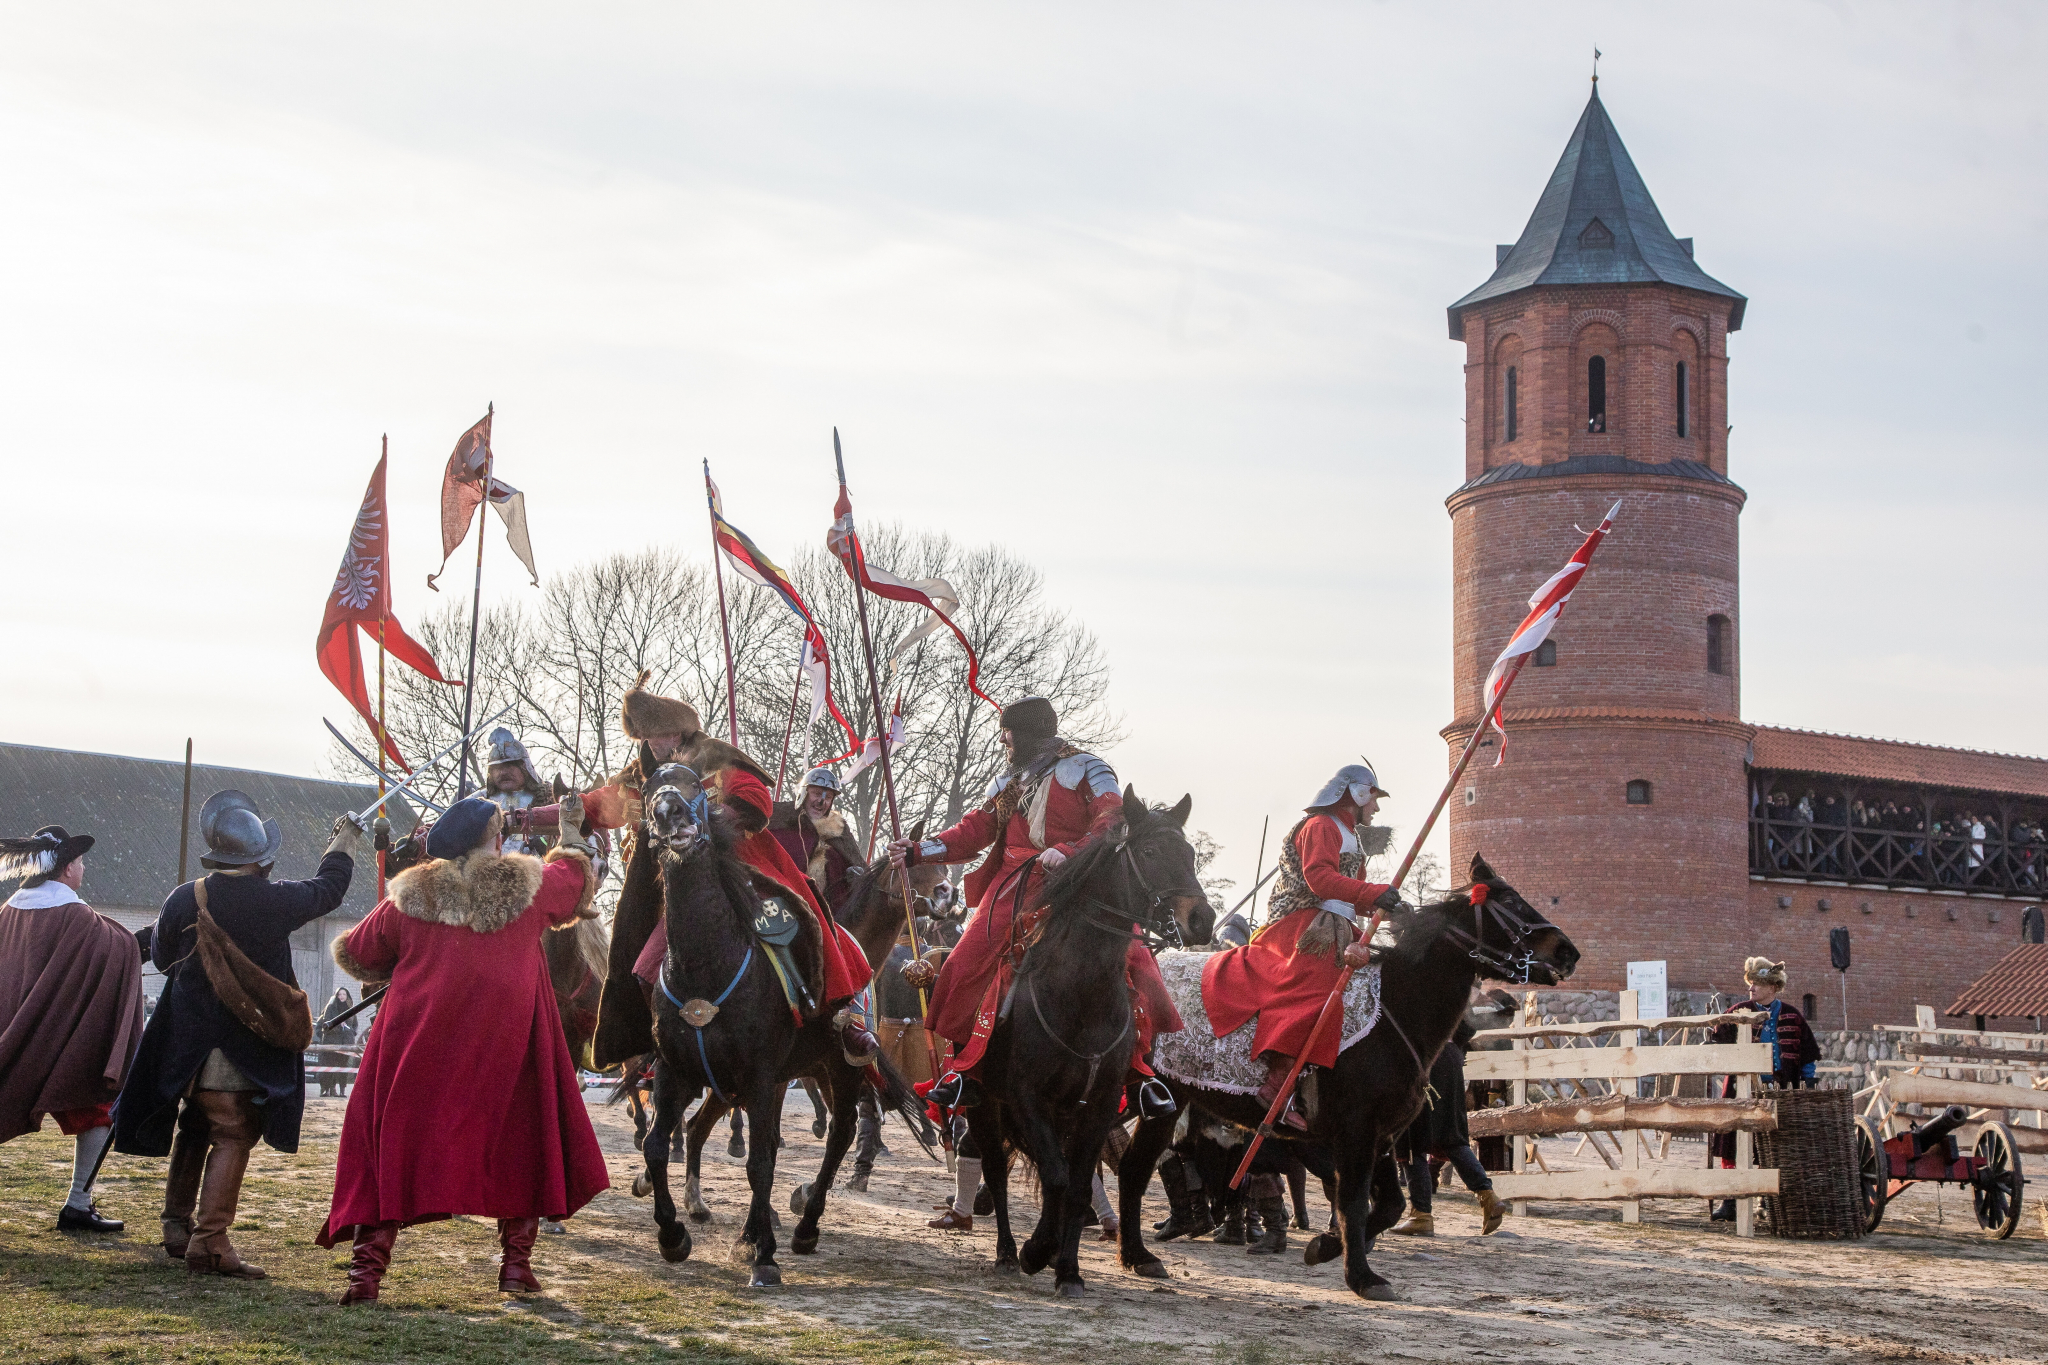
41, 855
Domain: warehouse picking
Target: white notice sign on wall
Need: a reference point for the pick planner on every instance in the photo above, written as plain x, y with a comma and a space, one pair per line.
1646, 979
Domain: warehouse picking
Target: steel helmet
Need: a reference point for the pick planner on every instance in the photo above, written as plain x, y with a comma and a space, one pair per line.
822, 777
1356, 780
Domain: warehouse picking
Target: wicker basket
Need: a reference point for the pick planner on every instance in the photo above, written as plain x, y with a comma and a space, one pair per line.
1814, 1152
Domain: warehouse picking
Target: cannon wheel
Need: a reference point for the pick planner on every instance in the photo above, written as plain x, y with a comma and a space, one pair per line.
1998, 1189
1873, 1172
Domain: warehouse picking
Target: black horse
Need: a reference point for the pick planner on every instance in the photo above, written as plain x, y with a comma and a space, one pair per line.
721, 1022
1056, 1064
873, 912
1359, 1107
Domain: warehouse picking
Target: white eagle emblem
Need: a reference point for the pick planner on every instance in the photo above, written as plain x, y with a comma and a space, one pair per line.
356, 583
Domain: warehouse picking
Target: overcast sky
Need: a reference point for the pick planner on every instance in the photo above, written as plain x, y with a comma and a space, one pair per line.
1151, 293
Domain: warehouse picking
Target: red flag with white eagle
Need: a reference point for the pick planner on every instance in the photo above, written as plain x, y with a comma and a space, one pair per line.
362, 597
1545, 604
468, 479
844, 542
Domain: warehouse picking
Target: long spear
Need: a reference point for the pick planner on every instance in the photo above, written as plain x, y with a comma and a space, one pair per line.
867, 641
732, 700
782, 769
476, 606
1545, 607
383, 735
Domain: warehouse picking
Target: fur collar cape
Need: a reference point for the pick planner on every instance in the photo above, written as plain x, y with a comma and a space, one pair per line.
481, 891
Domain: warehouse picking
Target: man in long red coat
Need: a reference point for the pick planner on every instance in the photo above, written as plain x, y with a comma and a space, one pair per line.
1286, 973
467, 1101
1053, 798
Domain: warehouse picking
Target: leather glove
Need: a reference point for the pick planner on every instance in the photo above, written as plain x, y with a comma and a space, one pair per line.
1390, 901
572, 824
347, 838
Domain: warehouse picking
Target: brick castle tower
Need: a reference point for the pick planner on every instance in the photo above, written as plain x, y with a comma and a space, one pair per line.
1596, 369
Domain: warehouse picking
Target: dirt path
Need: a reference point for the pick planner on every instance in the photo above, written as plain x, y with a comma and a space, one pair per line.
1565, 1287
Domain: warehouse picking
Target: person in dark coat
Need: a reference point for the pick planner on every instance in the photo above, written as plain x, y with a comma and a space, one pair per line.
202, 1075
70, 1009
1794, 1050
1440, 1130
333, 1034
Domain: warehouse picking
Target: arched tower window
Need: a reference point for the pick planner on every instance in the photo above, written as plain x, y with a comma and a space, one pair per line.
1596, 393
1639, 792
1513, 424
1717, 644
1546, 655
1684, 396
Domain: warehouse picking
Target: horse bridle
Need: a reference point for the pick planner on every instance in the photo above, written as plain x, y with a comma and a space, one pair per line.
1158, 909
1512, 963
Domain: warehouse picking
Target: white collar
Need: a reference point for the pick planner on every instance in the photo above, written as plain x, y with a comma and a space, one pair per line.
44, 896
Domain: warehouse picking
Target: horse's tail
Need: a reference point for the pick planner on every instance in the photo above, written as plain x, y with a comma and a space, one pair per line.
629, 1078
895, 1093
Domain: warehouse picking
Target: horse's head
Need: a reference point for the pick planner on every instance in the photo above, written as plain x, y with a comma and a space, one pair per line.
1161, 862
677, 812
1508, 938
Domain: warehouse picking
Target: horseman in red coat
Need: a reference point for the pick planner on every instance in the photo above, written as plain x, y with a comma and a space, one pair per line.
1286, 973
819, 838
467, 1101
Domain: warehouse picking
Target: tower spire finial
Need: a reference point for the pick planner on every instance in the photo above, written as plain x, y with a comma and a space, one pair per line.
1596, 66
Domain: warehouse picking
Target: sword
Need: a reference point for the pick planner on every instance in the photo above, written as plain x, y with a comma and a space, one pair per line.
360, 819
357, 755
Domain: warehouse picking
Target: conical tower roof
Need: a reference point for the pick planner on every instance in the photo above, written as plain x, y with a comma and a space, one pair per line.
1596, 224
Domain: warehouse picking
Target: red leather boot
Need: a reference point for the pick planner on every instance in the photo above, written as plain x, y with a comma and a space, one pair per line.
372, 1258
515, 1271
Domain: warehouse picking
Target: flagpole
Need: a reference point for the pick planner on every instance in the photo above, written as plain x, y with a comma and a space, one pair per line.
867, 644
383, 735
782, 769
476, 606
732, 702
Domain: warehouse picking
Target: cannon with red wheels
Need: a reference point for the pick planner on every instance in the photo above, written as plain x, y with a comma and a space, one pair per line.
1930, 1152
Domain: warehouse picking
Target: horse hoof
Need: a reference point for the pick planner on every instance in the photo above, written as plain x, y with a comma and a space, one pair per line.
700, 1214
1154, 1269
642, 1186
1322, 1248
1033, 1260
677, 1251
1382, 1293
799, 1197
804, 1246
736, 1149
764, 1276
1007, 1269
1072, 1289
744, 1253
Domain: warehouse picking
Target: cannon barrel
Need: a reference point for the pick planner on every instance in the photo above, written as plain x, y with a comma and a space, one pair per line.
1925, 1136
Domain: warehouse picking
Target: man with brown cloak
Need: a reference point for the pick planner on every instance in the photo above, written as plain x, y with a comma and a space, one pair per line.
70, 1010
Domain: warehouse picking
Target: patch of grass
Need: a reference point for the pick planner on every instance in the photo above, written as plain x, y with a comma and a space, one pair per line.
66, 1298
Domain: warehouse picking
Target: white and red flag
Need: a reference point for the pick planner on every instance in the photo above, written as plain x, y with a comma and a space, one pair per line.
463, 486
1544, 606
933, 594
871, 750
362, 597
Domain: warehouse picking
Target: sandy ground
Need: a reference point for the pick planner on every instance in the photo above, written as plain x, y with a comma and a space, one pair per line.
1567, 1283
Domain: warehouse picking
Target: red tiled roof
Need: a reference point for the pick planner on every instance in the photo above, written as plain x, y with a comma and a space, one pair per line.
1890, 760
2016, 988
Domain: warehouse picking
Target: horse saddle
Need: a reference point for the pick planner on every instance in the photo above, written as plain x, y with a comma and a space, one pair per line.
777, 927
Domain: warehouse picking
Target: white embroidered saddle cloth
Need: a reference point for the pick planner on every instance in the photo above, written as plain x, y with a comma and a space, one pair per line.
1198, 1057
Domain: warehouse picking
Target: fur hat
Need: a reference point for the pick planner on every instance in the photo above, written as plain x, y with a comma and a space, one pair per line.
1762, 971
42, 855
1031, 719
642, 713
464, 826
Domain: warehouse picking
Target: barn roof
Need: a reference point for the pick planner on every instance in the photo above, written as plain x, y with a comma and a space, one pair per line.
1891, 760
130, 807
2016, 988
1595, 224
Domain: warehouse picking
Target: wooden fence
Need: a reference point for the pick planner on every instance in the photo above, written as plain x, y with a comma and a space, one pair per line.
1572, 1070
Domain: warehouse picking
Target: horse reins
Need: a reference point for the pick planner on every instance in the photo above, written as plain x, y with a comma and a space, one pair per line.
1484, 907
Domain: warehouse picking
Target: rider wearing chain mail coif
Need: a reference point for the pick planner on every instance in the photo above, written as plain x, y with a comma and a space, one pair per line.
1286, 973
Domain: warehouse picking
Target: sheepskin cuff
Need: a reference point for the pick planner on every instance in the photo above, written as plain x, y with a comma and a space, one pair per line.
346, 960
584, 908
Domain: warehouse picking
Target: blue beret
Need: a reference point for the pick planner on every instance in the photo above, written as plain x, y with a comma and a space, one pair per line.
461, 828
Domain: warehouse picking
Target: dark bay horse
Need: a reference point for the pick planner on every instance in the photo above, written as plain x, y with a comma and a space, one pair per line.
721, 1022
1359, 1107
1056, 1064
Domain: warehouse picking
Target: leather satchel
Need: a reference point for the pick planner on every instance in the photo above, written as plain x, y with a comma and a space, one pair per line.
278, 1013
